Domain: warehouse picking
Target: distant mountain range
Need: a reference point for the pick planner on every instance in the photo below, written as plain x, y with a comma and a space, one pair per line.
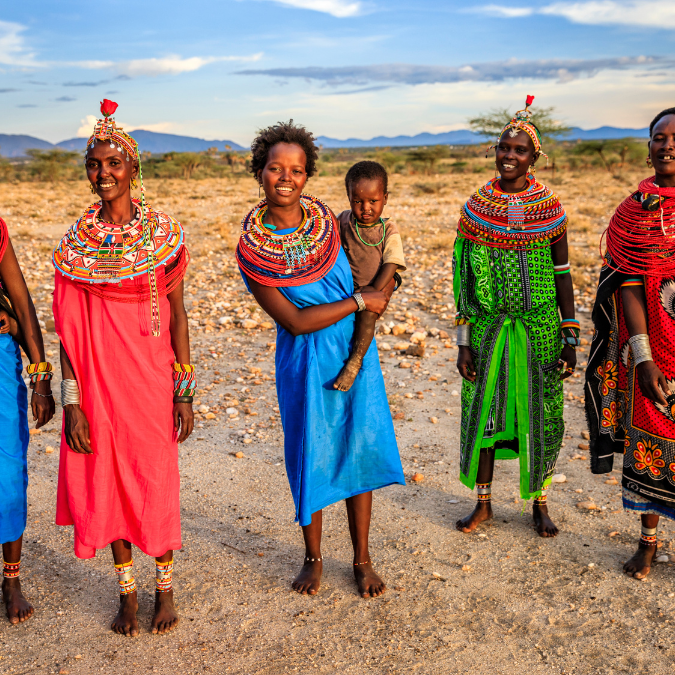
466, 137
149, 141
12, 145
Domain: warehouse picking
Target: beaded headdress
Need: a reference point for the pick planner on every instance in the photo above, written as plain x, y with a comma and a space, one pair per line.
521, 122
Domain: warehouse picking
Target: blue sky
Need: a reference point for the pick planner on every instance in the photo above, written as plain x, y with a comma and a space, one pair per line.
344, 68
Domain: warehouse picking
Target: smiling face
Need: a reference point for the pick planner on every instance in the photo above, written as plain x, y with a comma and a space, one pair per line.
514, 155
367, 199
109, 171
284, 176
662, 149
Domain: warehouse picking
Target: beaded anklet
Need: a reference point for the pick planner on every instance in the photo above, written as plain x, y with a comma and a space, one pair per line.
363, 563
125, 576
648, 536
164, 576
313, 559
11, 570
484, 492
540, 500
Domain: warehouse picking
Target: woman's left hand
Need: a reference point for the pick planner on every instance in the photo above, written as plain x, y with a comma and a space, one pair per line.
42, 406
183, 419
568, 361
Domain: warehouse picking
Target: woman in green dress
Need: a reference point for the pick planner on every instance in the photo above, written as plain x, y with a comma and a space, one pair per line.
512, 286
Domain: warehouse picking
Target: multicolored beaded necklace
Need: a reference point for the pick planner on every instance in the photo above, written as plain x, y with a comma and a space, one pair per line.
503, 220
300, 257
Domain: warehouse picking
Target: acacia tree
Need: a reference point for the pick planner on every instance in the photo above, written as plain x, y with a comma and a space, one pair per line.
491, 123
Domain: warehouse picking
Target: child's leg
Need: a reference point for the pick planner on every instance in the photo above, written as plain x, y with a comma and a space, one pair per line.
166, 616
364, 330
18, 608
309, 579
483, 510
359, 508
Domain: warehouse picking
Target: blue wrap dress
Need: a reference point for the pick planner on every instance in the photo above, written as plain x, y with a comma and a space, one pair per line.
13, 442
337, 444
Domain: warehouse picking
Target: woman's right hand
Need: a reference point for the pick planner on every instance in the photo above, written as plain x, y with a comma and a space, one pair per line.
77, 429
653, 384
465, 364
376, 301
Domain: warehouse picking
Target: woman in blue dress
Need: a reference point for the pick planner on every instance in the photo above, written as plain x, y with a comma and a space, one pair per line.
18, 326
338, 445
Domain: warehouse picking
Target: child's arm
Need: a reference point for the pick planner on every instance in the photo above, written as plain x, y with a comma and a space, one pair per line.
384, 276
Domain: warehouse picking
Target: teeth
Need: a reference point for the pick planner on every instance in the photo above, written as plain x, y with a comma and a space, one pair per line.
284, 189
509, 166
106, 185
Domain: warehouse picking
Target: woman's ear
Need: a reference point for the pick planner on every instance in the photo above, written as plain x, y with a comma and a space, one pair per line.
135, 170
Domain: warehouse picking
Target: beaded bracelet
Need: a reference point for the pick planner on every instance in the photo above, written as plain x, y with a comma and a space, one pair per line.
184, 379
571, 332
39, 371
562, 269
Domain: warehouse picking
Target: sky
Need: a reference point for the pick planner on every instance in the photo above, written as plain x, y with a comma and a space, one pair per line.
223, 69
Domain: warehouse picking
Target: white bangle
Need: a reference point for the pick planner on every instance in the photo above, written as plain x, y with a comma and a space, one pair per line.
639, 345
464, 335
70, 393
359, 302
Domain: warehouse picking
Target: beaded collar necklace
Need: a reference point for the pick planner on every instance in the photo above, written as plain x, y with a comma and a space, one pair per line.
303, 256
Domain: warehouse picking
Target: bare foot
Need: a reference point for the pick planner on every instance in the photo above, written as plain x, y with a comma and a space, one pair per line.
166, 616
369, 583
482, 512
542, 523
348, 373
125, 622
18, 608
641, 563
308, 581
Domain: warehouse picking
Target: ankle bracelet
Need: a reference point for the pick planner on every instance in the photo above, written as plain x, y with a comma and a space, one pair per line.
313, 559
363, 563
648, 537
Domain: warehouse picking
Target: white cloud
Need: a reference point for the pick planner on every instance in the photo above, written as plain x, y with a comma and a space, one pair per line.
12, 47
655, 13
166, 65
643, 13
338, 8
86, 128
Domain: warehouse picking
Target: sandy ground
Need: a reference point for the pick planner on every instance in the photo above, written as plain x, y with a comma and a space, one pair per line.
500, 600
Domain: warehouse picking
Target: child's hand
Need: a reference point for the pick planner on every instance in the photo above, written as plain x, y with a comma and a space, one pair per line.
465, 364
7, 324
376, 301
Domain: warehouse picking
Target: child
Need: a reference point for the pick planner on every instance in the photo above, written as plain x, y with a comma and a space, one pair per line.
374, 250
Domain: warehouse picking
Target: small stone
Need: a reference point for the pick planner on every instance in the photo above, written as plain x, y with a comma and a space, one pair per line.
248, 440
558, 478
466, 568
408, 395
49, 449
224, 320
585, 434
405, 364
433, 420
266, 325
249, 324
385, 346
399, 416
209, 416
613, 534
79, 656
261, 554
663, 558
417, 477
418, 337
443, 335
588, 506
611, 481
33, 432
454, 392
583, 446
433, 378
416, 350
231, 411
239, 454
398, 329
436, 575
401, 346
203, 409
579, 491
64, 671
591, 564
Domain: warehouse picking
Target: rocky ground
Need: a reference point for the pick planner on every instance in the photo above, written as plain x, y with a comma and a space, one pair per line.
500, 599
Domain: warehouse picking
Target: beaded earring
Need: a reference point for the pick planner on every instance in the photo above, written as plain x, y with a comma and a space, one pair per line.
649, 161
93, 190
134, 185
533, 169
259, 187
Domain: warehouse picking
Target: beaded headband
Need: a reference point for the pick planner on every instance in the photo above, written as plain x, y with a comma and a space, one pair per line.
521, 122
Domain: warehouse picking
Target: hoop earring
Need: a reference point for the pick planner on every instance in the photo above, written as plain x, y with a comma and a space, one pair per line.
649, 161
134, 185
93, 190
